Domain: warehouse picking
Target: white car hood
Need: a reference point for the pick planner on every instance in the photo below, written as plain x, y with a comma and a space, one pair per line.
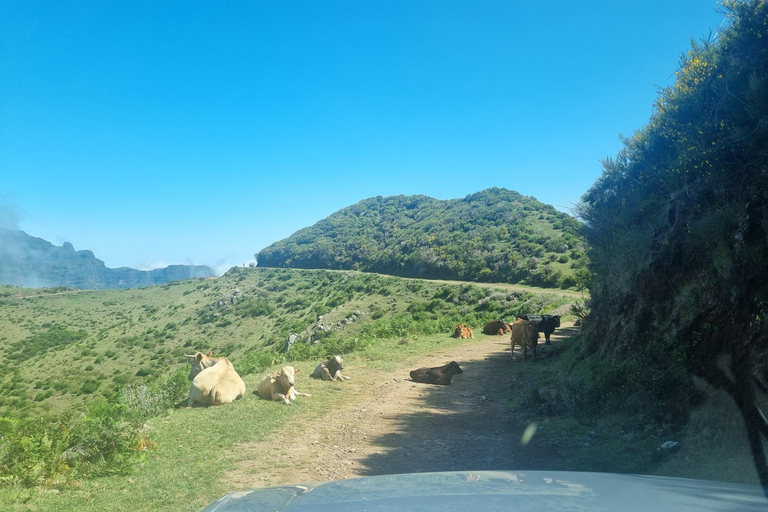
476, 491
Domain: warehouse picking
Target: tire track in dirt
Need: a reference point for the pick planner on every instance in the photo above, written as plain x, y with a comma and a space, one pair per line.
399, 426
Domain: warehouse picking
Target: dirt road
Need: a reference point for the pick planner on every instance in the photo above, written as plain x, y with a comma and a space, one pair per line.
399, 426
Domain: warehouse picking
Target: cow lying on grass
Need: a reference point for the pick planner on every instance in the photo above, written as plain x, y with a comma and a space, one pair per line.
439, 375
330, 370
214, 380
462, 331
525, 334
544, 323
279, 385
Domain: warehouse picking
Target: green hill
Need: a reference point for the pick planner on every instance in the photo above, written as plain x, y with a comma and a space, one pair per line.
496, 235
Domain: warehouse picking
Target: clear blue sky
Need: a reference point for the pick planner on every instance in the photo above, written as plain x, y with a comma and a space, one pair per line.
161, 132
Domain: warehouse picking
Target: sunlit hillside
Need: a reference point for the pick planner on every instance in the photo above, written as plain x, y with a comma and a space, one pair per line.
495, 235
64, 347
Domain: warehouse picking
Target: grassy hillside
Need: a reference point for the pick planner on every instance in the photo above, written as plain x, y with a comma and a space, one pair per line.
65, 347
496, 235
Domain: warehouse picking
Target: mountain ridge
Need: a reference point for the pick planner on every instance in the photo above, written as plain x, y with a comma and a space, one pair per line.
30, 261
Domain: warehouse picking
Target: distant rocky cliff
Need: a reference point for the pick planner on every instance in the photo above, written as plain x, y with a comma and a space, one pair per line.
33, 262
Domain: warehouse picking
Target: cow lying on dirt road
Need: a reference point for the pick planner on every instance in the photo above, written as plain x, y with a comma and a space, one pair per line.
214, 380
279, 385
438, 375
330, 370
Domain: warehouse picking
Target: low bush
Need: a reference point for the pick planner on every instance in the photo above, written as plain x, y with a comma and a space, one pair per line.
96, 442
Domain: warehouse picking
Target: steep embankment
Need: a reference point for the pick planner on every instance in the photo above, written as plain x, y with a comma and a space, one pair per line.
496, 235
678, 225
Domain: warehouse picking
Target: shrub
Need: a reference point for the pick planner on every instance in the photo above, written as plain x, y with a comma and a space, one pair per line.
98, 442
143, 401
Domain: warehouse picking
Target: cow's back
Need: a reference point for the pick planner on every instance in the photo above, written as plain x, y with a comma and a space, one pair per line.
217, 385
271, 384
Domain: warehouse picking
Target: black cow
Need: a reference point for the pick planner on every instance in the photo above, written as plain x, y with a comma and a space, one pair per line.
544, 323
439, 375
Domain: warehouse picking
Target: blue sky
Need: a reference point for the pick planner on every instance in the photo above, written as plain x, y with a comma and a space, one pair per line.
163, 132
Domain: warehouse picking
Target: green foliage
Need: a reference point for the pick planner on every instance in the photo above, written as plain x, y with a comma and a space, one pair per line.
490, 236
98, 442
677, 225
56, 337
143, 401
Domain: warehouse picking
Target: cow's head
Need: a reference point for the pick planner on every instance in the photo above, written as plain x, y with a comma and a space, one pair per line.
334, 364
455, 368
287, 376
200, 362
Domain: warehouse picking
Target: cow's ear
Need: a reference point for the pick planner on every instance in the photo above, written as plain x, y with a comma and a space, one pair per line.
209, 354
199, 356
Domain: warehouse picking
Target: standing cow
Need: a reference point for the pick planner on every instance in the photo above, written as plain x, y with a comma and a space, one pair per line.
544, 323
525, 334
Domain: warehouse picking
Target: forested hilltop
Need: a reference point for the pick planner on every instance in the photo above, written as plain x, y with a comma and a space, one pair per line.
678, 229
495, 235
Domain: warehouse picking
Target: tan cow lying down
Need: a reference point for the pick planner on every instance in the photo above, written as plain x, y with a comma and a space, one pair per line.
330, 370
525, 334
462, 331
214, 381
279, 385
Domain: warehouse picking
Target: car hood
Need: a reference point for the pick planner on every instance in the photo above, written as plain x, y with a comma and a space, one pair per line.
500, 490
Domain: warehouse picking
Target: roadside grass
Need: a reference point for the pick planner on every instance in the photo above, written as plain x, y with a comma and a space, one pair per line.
573, 435
197, 445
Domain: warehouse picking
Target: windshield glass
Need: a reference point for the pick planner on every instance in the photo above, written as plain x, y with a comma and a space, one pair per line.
260, 244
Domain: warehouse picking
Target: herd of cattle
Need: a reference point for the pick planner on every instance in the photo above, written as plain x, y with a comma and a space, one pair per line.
215, 381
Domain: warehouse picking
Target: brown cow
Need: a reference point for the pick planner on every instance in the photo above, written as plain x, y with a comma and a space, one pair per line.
497, 327
462, 331
525, 334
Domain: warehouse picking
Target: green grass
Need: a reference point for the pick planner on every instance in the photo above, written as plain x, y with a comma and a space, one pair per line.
196, 446
69, 348
86, 344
